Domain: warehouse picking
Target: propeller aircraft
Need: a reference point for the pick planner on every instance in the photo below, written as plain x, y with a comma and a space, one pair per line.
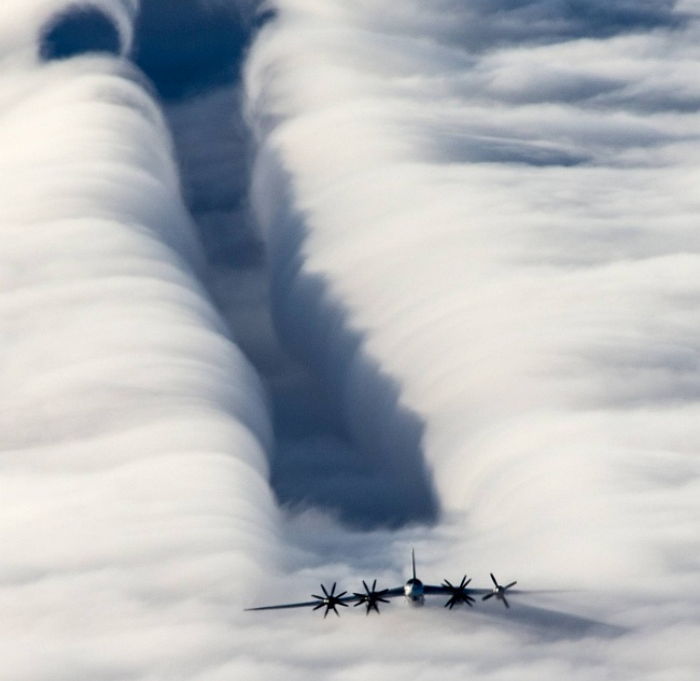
414, 591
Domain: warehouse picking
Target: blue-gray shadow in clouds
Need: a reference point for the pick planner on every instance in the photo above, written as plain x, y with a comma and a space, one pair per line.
367, 480
190, 47
549, 624
361, 457
76, 31
489, 24
603, 18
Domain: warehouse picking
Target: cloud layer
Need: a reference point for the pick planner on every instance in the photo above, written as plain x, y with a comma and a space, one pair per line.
133, 433
494, 233
478, 221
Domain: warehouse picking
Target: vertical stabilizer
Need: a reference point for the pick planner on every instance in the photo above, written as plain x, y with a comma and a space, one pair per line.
413, 562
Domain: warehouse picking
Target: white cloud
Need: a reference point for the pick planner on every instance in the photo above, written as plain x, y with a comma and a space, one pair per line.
481, 233
133, 433
498, 240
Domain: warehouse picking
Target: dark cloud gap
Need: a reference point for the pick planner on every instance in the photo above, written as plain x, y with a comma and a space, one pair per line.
191, 53
379, 480
187, 48
376, 474
79, 30
318, 464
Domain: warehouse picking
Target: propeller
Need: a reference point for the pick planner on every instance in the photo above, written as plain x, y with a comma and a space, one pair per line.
458, 594
499, 591
329, 600
371, 597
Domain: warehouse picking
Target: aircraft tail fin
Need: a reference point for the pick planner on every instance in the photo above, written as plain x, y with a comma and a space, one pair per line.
413, 562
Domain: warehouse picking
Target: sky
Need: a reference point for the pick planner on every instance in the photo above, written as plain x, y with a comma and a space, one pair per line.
291, 287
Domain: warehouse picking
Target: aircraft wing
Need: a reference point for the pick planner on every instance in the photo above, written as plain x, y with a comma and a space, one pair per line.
304, 604
393, 593
429, 590
331, 600
432, 590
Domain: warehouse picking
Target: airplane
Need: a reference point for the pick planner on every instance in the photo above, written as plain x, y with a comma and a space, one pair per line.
414, 591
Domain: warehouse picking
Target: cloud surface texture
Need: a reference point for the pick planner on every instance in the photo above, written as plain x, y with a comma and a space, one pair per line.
478, 223
482, 215
133, 433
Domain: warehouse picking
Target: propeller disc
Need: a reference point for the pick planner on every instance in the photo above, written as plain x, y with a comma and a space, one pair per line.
329, 600
499, 591
458, 593
371, 597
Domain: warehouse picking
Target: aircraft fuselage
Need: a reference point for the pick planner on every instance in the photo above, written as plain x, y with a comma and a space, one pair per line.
413, 590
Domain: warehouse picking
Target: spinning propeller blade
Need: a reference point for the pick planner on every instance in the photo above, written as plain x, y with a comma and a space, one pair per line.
499, 591
458, 594
329, 600
371, 598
